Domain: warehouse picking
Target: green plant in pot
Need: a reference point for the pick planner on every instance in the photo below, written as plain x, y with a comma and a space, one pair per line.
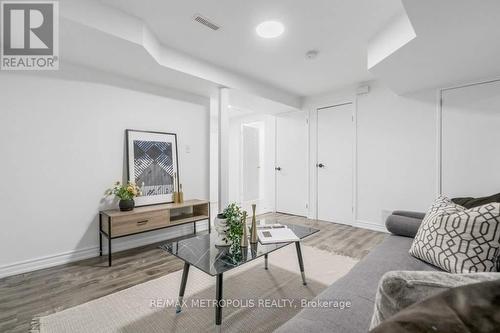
234, 228
126, 193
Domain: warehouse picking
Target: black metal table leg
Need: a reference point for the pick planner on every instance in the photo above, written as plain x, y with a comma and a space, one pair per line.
265, 261
109, 241
100, 235
218, 305
185, 273
301, 263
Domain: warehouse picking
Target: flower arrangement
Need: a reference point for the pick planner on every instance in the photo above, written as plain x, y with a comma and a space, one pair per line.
124, 191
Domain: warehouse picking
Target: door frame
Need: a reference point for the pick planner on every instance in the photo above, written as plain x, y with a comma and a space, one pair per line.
314, 161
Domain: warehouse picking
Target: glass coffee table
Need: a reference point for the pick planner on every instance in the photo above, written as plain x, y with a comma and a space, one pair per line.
201, 252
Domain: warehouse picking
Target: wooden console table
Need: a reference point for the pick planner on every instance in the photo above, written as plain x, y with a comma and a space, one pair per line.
148, 218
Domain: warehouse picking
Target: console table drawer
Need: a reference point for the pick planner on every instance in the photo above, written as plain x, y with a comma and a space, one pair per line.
126, 225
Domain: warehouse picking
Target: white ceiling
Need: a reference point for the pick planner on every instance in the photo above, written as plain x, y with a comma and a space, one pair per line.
242, 103
339, 29
85, 46
457, 42
157, 45
100, 36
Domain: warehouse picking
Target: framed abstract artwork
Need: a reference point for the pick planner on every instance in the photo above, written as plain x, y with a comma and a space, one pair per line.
152, 164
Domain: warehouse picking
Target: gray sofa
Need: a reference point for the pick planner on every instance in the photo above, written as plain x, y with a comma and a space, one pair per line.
359, 286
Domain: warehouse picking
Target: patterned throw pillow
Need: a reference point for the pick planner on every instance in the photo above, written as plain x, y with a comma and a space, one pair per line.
459, 240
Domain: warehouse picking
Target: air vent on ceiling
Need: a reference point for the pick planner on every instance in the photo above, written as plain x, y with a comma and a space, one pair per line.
206, 22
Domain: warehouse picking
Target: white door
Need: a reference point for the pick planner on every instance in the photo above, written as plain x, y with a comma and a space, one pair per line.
291, 163
251, 160
470, 137
334, 164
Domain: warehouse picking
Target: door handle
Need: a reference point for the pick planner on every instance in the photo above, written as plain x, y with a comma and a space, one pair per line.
320, 165
277, 168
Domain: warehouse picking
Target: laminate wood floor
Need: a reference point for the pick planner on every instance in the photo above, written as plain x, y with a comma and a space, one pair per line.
54, 289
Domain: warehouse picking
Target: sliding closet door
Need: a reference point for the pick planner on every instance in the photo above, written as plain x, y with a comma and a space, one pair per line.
471, 140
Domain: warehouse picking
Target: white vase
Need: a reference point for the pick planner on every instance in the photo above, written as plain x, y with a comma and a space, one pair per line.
220, 227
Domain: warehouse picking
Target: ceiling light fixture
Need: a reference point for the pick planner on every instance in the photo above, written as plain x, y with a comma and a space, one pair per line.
270, 29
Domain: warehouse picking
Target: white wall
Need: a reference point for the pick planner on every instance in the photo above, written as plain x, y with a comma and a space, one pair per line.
395, 152
267, 203
61, 145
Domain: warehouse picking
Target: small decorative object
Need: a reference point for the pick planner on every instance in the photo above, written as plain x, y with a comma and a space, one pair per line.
152, 165
253, 249
175, 195
244, 254
230, 231
181, 194
244, 236
253, 236
126, 193
126, 205
220, 229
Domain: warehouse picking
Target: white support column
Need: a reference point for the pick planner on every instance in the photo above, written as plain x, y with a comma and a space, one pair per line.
214, 154
223, 148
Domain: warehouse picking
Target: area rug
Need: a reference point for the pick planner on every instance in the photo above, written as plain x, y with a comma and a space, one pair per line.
256, 300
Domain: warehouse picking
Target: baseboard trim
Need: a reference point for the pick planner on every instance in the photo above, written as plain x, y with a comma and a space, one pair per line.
47, 261
361, 224
370, 226
93, 251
